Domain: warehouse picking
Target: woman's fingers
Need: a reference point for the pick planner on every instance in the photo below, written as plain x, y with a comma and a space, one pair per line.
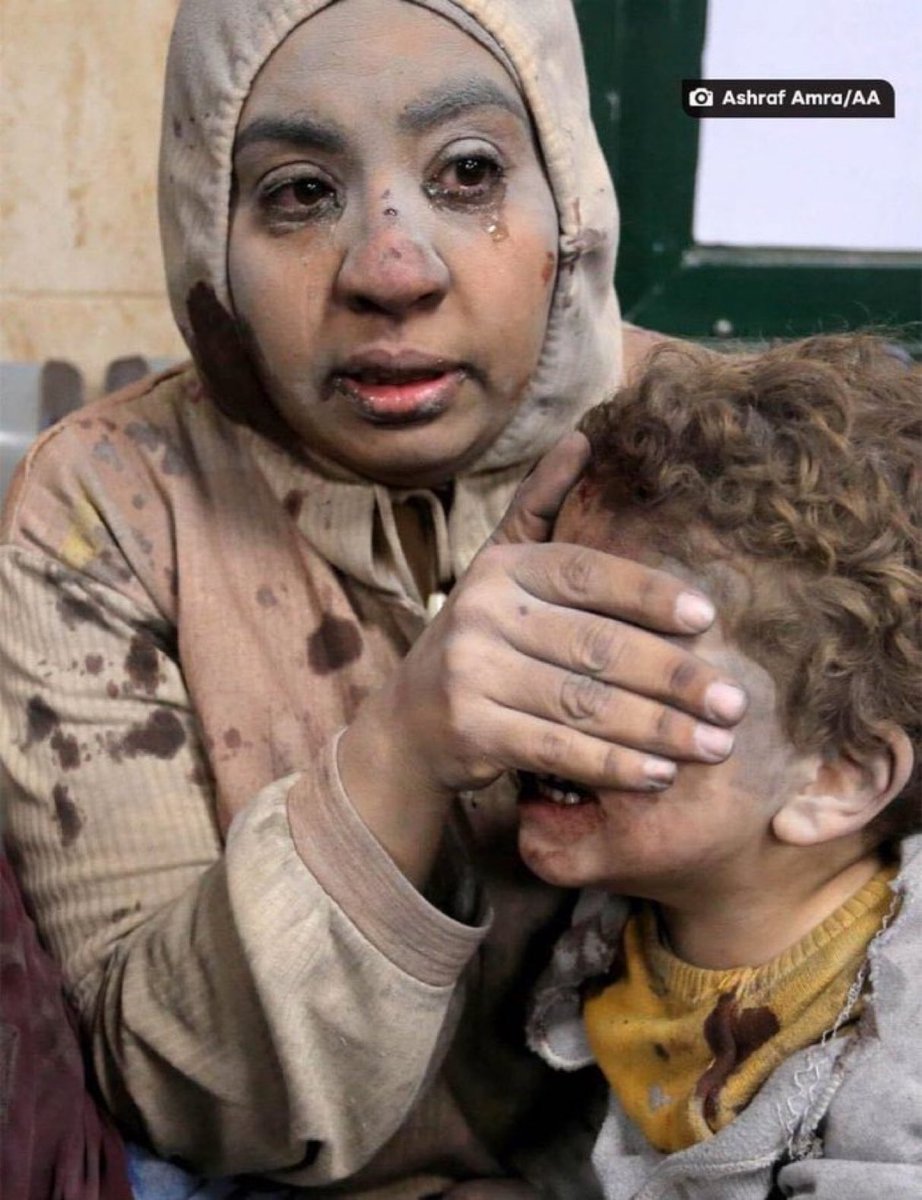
534, 507
595, 581
617, 717
599, 650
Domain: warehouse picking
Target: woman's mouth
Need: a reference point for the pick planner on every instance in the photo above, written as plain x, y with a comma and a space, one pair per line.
398, 390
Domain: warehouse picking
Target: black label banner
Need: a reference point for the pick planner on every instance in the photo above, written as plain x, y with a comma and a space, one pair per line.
788, 98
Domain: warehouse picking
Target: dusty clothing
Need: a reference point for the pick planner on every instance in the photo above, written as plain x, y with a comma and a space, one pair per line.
178, 656
837, 1120
686, 1048
192, 606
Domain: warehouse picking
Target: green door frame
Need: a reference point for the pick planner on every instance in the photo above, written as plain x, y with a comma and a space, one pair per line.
637, 53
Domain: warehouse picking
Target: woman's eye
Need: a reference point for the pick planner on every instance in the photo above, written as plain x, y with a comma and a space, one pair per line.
470, 177
304, 196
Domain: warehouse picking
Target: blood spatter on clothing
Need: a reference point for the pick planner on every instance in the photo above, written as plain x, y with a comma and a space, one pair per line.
112, 690
41, 720
661, 1052
73, 611
232, 739
67, 749
105, 452
161, 736
334, 644
227, 367
145, 545
113, 567
733, 1033
201, 777
138, 501
142, 665
265, 597
94, 663
294, 502
153, 439
67, 814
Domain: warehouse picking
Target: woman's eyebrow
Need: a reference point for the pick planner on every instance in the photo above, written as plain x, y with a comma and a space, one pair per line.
300, 131
452, 99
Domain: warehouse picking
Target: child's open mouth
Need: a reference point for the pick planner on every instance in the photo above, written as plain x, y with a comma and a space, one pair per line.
551, 789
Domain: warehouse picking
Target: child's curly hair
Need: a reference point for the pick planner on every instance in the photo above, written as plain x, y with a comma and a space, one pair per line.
805, 461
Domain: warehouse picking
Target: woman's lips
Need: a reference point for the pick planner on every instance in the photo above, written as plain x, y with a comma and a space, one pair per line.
400, 397
397, 387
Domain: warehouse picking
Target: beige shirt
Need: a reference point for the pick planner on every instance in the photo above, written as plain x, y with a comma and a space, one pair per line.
177, 656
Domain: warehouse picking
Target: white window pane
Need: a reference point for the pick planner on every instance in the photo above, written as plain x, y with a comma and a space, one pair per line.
825, 182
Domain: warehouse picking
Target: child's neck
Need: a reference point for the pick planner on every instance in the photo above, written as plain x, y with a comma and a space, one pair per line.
749, 925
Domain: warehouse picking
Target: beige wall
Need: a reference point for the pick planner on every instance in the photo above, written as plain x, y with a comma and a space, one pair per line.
80, 272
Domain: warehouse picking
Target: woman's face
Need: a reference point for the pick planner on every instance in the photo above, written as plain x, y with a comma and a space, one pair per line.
393, 243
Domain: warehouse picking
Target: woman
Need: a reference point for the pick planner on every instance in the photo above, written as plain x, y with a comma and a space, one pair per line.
389, 239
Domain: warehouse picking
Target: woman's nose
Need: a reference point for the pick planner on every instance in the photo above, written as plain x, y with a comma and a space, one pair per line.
390, 268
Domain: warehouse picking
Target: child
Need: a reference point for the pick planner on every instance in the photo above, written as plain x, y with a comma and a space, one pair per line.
748, 977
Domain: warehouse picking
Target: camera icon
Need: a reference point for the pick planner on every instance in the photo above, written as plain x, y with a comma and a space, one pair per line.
700, 97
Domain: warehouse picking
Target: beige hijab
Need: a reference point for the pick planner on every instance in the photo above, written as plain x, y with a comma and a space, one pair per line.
217, 49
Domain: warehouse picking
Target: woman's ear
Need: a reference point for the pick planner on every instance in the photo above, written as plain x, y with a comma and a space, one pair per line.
843, 794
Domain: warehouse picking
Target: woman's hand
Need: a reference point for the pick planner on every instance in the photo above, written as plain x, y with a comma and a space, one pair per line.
543, 660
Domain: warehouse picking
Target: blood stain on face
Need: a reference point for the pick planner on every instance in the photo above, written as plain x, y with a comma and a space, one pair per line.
391, 335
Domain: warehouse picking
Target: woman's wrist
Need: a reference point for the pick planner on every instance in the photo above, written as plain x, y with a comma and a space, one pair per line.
387, 783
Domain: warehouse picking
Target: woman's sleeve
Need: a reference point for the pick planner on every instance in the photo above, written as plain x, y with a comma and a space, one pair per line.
248, 1010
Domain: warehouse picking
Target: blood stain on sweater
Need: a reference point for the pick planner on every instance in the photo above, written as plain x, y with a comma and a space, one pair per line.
334, 644
74, 612
67, 749
41, 720
67, 814
161, 736
141, 664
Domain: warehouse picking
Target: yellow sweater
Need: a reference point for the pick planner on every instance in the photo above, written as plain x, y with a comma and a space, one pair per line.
686, 1048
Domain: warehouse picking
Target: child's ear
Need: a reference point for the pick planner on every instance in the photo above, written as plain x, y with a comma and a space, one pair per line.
843, 794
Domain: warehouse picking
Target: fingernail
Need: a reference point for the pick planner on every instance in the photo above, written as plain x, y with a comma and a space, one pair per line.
715, 744
659, 771
724, 701
694, 611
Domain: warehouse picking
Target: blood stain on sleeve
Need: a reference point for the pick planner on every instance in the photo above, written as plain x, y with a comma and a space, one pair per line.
141, 664
74, 611
66, 748
265, 597
41, 720
232, 739
334, 644
93, 663
67, 814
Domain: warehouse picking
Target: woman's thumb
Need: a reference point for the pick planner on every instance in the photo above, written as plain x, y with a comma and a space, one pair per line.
530, 516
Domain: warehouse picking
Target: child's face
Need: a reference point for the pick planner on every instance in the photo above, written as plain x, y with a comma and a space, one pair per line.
713, 825
393, 245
